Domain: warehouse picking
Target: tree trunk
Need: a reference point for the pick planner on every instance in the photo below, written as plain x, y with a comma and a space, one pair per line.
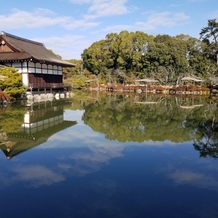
217, 59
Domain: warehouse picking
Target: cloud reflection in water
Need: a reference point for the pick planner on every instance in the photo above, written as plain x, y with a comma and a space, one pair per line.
37, 175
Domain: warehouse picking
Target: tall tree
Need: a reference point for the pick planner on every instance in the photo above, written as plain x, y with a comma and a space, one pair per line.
209, 34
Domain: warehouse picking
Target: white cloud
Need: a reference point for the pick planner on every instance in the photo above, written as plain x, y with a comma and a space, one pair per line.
40, 18
83, 24
185, 176
37, 175
64, 167
174, 5
87, 162
99, 153
35, 19
196, 179
103, 8
108, 8
67, 46
116, 28
164, 19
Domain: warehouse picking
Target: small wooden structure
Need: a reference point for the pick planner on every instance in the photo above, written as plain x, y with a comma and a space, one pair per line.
146, 81
40, 68
192, 80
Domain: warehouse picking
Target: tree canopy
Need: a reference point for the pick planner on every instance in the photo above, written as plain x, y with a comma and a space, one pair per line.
12, 83
130, 55
209, 35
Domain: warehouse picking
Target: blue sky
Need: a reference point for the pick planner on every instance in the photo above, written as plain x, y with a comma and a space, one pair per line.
70, 26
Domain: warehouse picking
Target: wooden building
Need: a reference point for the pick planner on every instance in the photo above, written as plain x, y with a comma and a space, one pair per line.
41, 69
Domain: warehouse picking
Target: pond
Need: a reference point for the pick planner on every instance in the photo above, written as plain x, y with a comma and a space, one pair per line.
107, 155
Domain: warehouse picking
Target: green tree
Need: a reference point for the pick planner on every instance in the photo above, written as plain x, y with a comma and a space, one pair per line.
130, 55
209, 35
12, 84
95, 58
69, 72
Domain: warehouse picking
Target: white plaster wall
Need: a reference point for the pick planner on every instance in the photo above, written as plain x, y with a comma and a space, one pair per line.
25, 79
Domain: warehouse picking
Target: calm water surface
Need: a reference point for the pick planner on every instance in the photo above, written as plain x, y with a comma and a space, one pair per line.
110, 156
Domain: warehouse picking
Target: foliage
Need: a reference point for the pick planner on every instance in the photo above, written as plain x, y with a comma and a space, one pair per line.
69, 72
12, 84
128, 55
76, 75
209, 35
79, 82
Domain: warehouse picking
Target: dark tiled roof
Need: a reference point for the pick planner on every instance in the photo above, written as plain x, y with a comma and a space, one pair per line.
25, 49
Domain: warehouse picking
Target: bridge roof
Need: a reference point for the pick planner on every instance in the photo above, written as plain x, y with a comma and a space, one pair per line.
147, 80
188, 78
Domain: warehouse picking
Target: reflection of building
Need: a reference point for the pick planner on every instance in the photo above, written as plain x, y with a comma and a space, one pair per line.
39, 124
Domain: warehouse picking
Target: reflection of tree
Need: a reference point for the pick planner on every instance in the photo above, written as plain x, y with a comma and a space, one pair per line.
12, 119
120, 119
207, 128
82, 99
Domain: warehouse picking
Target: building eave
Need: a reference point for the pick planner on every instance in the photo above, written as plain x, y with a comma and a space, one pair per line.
24, 50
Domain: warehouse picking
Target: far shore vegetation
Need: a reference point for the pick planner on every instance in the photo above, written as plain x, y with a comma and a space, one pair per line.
127, 56
123, 57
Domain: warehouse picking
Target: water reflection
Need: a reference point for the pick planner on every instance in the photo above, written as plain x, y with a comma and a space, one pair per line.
157, 118
124, 118
24, 128
42, 176
138, 162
